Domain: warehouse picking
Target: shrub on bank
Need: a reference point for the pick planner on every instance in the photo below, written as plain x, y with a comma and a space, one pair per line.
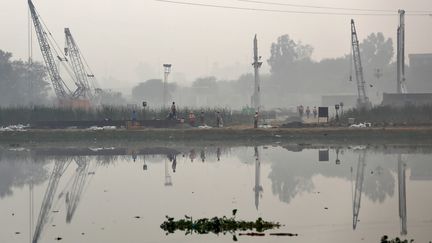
29, 115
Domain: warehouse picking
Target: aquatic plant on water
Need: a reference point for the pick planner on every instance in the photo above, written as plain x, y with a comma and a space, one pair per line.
216, 225
385, 239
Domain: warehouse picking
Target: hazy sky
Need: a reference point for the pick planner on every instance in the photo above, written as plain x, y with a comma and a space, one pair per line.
116, 36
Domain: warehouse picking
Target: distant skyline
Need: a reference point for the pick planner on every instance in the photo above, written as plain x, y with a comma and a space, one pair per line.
116, 36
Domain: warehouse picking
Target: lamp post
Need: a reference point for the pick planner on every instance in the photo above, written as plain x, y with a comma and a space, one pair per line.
167, 71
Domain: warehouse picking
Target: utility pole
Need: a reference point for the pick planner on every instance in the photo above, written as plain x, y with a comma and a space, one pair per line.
167, 71
401, 85
256, 97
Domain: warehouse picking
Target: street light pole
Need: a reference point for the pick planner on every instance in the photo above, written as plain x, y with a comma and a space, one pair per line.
167, 71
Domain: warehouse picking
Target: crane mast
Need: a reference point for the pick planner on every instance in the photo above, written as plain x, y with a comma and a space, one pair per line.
256, 97
72, 50
60, 88
362, 100
400, 56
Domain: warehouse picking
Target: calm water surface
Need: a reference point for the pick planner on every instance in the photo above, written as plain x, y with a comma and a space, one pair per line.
337, 194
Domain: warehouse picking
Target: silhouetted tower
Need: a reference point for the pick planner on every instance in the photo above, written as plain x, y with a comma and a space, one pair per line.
256, 97
167, 71
400, 55
258, 188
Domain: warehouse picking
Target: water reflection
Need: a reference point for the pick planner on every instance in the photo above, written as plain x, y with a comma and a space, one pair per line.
402, 195
58, 170
290, 172
361, 165
258, 189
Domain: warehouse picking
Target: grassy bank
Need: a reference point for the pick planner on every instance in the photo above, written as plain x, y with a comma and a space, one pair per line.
394, 135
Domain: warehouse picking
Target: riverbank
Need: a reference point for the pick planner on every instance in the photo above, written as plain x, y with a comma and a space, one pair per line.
318, 135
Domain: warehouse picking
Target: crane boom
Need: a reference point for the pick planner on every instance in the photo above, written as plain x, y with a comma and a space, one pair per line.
60, 88
72, 50
362, 100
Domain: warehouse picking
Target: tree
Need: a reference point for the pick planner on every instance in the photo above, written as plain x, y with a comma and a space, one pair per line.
376, 51
206, 85
285, 52
108, 97
152, 92
22, 83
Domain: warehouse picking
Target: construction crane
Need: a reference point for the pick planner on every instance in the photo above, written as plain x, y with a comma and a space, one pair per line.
59, 168
358, 187
60, 88
76, 60
64, 94
362, 100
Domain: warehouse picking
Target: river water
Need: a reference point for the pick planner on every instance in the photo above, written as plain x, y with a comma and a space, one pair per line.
122, 194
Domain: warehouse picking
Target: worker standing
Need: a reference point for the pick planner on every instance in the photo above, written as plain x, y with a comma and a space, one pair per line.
191, 118
219, 122
315, 112
256, 120
202, 118
173, 111
134, 116
308, 111
301, 111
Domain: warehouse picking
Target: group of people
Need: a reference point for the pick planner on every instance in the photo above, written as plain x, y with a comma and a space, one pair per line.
192, 117
301, 111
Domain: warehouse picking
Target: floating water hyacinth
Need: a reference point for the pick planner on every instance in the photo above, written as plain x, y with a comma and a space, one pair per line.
216, 225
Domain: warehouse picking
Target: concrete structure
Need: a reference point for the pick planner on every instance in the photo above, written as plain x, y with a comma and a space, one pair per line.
418, 99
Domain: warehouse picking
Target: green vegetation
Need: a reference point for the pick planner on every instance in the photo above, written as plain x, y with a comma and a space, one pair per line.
28, 115
386, 115
216, 225
385, 239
